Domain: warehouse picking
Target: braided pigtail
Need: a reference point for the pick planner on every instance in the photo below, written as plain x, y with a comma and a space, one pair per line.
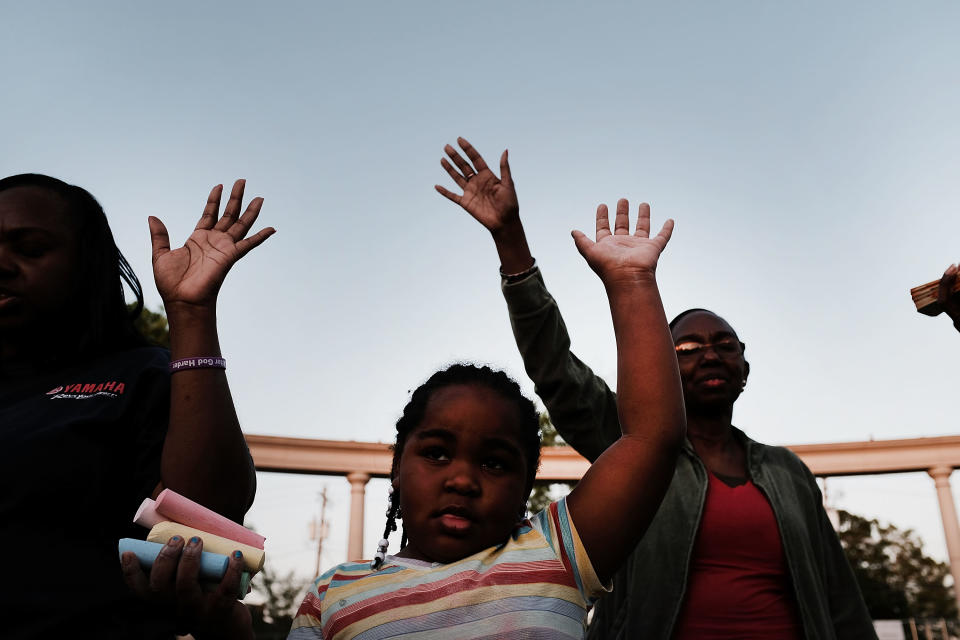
393, 514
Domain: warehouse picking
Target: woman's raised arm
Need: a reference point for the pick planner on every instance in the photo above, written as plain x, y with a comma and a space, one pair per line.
205, 456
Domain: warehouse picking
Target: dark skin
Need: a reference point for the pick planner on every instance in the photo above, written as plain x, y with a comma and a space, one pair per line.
493, 202
948, 298
38, 286
712, 382
38, 254
618, 496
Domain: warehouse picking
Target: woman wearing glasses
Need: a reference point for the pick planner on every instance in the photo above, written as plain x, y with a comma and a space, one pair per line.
741, 546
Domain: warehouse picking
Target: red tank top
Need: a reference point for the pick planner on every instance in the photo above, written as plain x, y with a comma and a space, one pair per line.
739, 585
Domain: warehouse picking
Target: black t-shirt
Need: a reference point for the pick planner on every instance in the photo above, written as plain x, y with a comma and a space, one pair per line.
79, 450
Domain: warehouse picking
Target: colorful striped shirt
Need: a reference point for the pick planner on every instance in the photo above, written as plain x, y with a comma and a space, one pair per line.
539, 584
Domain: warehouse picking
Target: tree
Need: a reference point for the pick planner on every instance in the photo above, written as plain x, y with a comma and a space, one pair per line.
896, 578
544, 492
152, 325
282, 595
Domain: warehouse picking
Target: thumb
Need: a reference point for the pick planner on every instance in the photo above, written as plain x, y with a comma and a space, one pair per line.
159, 239
583, 243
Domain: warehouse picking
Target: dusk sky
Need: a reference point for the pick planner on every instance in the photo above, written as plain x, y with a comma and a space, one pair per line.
807, 151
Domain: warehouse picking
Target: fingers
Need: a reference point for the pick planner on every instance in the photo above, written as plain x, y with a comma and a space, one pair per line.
242, 226
603, 222
133, 574
505, 176
945, 288
188, 573
582, 242
232, 211
229, 588
666, 232
472, 153
453, 173
449, 195
165, 566
458, 160
621, 224
254, 241
211, 209
159, 239
643, 221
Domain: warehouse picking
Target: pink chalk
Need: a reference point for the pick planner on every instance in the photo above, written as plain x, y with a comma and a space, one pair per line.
175, 507
147, 515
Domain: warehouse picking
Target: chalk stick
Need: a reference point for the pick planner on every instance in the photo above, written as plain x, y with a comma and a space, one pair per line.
176, 508
252, 557
212, 565
147, 515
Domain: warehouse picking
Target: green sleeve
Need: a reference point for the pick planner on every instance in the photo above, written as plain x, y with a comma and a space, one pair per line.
581, 405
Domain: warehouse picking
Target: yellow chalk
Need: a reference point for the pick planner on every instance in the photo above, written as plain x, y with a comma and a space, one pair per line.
252, 557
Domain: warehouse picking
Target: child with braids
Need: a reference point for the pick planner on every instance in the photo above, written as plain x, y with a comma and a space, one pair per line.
465, 458
467, 451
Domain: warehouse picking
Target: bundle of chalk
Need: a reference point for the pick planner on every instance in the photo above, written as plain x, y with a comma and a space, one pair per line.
174, 515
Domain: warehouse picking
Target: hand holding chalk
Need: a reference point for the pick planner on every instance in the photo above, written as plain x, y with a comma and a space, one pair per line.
174, 585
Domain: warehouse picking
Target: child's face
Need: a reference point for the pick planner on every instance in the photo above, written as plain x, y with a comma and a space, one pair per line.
462, 475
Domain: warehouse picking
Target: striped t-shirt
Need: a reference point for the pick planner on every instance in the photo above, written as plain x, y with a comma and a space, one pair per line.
539, 584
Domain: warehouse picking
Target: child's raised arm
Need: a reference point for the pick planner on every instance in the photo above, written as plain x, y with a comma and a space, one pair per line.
617, 498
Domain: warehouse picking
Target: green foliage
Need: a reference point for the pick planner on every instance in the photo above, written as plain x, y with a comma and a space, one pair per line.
152, 325
282, 595
545, 492
896, 578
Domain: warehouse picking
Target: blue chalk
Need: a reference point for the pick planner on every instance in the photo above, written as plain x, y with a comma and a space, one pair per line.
212, 565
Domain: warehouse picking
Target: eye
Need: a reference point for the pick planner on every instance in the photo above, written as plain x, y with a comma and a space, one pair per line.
727, 346
495, 464
688, 348
31, 249
437, 454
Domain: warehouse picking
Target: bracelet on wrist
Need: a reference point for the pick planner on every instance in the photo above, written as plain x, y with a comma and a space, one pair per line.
204, 362
510, 278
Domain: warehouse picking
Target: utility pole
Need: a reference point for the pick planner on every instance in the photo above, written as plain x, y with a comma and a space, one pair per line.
319, 530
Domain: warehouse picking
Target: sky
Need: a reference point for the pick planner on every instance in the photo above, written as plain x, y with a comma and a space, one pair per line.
807, 151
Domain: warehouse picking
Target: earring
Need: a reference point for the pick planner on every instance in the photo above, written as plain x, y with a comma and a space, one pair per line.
743, 384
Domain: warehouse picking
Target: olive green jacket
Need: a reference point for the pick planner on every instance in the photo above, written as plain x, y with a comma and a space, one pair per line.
649, 590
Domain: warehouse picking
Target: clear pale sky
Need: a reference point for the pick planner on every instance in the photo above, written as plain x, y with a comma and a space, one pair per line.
808, 153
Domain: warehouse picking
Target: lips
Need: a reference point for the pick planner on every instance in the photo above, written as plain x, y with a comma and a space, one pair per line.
8, 300
455, 520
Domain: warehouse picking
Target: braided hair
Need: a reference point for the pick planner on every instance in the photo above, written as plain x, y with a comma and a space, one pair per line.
104, 320
458, 374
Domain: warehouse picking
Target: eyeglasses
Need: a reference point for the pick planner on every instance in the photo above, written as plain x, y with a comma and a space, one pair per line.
725, 347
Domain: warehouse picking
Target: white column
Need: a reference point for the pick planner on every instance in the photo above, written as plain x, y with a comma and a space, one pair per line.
948, 513
358, 483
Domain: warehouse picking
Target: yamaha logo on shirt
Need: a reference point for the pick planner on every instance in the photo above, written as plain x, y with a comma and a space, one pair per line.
85, 391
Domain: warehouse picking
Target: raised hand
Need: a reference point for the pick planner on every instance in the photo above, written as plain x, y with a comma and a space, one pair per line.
949, 299
193, 274
621, 256
491, 200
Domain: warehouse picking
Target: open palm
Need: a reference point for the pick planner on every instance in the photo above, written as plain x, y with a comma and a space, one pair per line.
194, 273
489, 199
620, 255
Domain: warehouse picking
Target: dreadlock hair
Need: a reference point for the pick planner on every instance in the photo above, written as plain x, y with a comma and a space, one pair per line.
105, 322
457, 374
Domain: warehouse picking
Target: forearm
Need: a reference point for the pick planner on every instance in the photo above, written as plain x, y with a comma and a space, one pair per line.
581, 405
512, 248
649, 395
205, 456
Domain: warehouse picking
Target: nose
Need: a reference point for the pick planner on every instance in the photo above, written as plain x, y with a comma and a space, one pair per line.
8, 266
462, 479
